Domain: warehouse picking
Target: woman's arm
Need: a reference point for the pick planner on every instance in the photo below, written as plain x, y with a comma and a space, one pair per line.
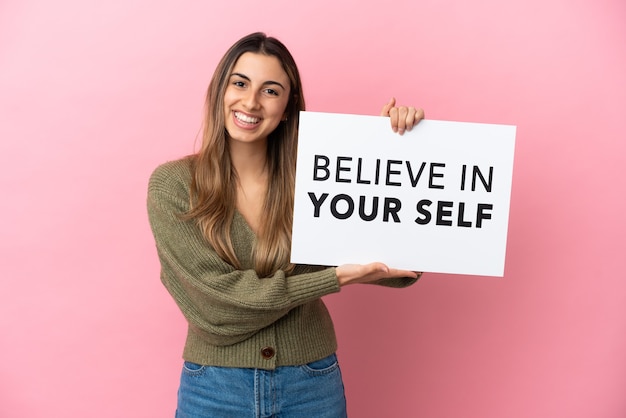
226, 304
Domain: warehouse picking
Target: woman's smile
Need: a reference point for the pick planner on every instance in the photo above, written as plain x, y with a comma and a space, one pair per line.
246, 121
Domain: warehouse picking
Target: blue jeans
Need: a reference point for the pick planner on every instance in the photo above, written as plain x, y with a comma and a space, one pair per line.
313, 390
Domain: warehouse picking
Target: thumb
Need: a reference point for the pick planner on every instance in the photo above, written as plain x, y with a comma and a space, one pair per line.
387, 107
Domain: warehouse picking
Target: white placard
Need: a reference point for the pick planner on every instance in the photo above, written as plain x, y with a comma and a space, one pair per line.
435, 199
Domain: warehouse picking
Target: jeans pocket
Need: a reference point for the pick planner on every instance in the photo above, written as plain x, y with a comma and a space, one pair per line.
321, 367
193, 369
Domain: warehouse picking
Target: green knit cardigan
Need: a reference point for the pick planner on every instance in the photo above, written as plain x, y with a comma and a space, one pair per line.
235, 318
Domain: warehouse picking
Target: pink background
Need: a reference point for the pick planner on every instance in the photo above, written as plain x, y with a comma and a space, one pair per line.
93, 95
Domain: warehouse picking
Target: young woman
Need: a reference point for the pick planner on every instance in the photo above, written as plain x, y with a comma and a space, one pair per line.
260, 341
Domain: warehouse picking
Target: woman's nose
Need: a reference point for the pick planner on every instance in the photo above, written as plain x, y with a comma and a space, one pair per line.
250, 100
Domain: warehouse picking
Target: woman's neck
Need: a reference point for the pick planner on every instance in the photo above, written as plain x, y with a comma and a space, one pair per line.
249, 159
250, 163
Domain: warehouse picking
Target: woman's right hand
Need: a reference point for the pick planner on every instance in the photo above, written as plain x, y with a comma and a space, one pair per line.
403, 118
367, 273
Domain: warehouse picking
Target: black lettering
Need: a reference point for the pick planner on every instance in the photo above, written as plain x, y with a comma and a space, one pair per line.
431, 185
476, 173
392, 206
377, 177
372, 215
317, 167
358, 172
441, 212
415, 179
463, 177
461, 221
421, 209
340, 169
317, 203
333, 206
388, 182
480, 214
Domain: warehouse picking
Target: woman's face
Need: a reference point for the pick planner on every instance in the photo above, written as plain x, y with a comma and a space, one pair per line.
256, 97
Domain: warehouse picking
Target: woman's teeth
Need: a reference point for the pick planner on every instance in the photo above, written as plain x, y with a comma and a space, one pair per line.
246, 118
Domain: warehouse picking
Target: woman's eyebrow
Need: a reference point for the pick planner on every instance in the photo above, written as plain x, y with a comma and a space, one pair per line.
265, 83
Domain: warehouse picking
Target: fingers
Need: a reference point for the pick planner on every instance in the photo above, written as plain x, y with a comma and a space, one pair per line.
401, 273
402, 118
366, 273
416, 117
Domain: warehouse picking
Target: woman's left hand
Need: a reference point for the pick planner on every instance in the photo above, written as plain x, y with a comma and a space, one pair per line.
403, 118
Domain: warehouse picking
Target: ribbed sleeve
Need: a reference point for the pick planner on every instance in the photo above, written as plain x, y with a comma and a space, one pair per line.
231, 312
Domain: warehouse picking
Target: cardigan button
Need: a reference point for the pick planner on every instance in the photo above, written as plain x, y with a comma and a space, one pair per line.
268, 352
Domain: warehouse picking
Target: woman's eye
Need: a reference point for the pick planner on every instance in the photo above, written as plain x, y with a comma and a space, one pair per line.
272, 92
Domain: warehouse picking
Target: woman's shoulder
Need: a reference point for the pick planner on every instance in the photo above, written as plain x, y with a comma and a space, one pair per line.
174, 169
172, 174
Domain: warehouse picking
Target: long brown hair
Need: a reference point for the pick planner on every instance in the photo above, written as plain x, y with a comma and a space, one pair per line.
214, 181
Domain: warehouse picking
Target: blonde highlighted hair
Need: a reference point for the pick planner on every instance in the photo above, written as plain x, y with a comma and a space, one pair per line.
214, 181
